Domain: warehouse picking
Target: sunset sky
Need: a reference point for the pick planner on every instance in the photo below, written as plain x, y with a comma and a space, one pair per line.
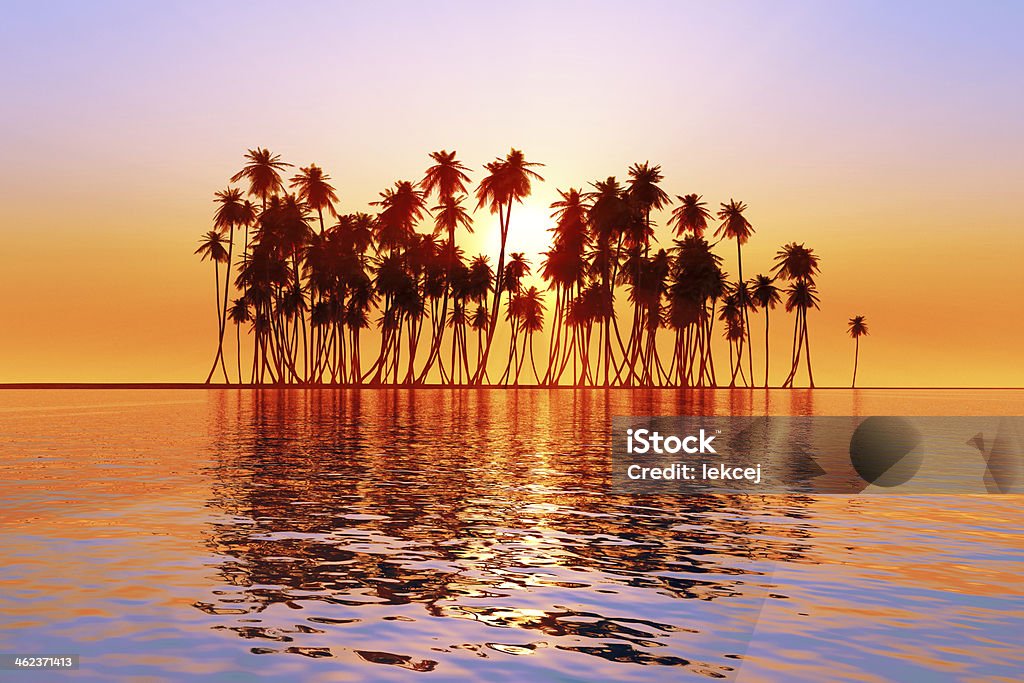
887, 136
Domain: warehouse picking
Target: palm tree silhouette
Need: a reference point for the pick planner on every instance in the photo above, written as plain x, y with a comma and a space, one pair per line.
736, 226
232, 212
263, 172
801, 296
645, 195
312, 186
507, 181
447, 177
798, 264
211, 246
238, 314
516, 269
529, 312
691, 216
766, 295
858, 328
610, 216
310, 293
565, 267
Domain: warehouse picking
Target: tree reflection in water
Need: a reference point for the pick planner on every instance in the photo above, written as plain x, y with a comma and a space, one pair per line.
440, 522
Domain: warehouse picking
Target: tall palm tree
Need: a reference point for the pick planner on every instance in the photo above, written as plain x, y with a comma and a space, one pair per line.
767, 297
696, 280
263, 172
736, 226
232, 211
313, 189
508, 181
211, 246
611, 216
449, 215
565, 268
858, 328
645, 195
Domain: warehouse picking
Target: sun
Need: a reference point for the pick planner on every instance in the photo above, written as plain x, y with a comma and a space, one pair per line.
528, 233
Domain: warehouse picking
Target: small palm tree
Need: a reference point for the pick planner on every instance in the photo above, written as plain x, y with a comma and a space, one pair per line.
798, 264
766, 295
211, 246
858, 329
239, 313
802, 295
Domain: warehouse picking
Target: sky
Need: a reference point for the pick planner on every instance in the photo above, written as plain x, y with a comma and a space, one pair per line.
887, 136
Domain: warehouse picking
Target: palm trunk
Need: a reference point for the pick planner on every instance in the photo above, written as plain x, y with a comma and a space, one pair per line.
499, 286
766, 347
221, 314
238, 350
856, 357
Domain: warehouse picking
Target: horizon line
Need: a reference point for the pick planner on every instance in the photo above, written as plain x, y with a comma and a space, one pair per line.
202, 385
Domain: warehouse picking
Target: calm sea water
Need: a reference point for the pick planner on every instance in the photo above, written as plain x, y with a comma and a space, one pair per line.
394, 535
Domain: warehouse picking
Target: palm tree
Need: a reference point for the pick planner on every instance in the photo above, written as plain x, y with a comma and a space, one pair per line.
695, 280
565, 267
263, 171
238, 314
313, 189
507, 181
516, 269
802, 295
480, 322
798, 264
232, 212
691, 216
211, 246
644, 195
643, 190
736, 226
731, 314
449, 215
447, 177
766, 295
611, 216
858, 329
529, 311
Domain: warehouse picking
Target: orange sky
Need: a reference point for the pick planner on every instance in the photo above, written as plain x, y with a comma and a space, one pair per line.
889, 140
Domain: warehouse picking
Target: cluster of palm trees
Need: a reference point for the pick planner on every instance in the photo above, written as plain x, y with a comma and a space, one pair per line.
316, 289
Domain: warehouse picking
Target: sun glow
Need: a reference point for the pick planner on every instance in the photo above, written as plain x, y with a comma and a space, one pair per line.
528, 233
